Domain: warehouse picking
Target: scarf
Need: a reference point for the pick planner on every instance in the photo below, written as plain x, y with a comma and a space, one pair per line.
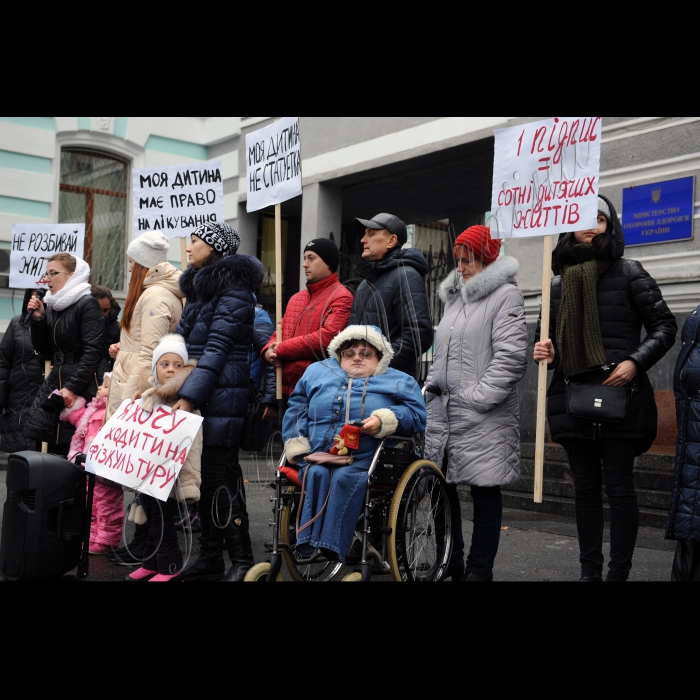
579, 338
76, 288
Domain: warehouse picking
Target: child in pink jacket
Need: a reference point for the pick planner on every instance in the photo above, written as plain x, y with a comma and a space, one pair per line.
108, 504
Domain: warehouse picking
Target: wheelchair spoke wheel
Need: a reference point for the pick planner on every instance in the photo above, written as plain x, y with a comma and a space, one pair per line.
304, 570
420, 546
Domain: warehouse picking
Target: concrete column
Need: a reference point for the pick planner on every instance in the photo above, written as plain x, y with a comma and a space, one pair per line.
247, 226
322, 214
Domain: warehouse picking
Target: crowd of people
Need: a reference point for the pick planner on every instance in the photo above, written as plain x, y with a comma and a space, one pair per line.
197, 341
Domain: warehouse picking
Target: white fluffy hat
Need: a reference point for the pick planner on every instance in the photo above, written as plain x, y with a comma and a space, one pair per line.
150, 249
170, 344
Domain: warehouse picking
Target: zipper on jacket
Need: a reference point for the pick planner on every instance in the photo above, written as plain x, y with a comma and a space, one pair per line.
323, 325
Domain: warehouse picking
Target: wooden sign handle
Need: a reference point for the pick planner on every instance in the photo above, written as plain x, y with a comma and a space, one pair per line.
544, 371
183, 253
47, 371
278, 281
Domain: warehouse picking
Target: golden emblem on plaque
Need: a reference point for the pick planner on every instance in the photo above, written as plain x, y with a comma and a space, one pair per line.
656, 196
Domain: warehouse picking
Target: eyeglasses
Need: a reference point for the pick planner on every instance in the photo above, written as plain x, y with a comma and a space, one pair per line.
364, 354
56, 274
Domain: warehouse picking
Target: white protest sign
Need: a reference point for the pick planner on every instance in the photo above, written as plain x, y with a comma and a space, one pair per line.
546, 177
176, 199
273, 155
144, 451
34, 244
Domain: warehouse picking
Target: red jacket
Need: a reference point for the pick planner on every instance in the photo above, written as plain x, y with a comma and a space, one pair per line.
313, 318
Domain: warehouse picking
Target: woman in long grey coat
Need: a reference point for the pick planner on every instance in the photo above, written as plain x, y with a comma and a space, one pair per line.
471, 392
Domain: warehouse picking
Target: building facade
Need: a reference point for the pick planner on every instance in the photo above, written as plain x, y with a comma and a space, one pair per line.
433, 172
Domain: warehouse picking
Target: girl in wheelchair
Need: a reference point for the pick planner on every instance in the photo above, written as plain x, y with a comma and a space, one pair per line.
340, 412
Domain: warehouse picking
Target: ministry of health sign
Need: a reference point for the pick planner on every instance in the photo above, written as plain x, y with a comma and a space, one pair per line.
659, 213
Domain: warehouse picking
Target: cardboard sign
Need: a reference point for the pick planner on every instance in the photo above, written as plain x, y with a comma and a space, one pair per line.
176, 199
34, 244
273, 155
546, 177
144, 451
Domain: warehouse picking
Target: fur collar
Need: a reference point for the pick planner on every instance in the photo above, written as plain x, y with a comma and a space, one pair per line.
232, 272
169, 393
373, 336
503, 271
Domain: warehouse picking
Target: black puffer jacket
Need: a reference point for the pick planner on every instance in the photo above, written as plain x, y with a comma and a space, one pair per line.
113, 334
684, 521
393, 298
21, 375
217, 325
74, 339
628, 298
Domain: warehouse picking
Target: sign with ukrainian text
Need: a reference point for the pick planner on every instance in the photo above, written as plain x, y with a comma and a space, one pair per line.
273, 157
659, 213
34, 244
546, 177
144, 451
176, 199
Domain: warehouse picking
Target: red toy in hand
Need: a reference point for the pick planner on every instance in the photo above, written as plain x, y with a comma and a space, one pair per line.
349, 439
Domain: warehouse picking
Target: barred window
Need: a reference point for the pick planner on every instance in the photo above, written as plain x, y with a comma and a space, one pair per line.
94, 192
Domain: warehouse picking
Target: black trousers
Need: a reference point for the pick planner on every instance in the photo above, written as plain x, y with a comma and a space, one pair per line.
592, 463
223, 491
162, 553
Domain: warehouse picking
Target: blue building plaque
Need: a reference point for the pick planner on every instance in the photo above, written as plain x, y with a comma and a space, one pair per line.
659, 213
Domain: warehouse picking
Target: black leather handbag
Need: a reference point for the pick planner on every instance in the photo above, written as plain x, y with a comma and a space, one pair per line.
588, 400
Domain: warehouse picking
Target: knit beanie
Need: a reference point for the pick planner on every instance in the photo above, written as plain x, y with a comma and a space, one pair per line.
170, 344
149, 249
604, 209
478, 240
326, 250
221, 237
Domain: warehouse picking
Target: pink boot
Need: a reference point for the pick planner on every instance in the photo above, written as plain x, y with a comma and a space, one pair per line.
163, 579
142, 576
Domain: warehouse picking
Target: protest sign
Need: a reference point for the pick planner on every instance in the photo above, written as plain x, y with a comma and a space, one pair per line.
176, 199
34, 244
144, 451
273, 155
546, 176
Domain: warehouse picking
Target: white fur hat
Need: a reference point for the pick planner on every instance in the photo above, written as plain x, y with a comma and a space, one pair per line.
174, 344
150, 249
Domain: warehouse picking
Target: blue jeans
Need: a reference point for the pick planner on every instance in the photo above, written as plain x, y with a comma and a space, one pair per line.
335, 529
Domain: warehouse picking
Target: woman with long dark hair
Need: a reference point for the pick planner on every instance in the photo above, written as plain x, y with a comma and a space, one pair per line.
21, 375
218, 328
601, 403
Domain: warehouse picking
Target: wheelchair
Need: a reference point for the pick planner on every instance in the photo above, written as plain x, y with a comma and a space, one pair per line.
405, 530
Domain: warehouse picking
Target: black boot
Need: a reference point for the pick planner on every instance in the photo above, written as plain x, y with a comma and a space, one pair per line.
478, 578
210, 566
454, 572
240, 550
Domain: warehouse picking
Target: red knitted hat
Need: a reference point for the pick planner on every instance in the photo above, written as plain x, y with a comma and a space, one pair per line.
478, 240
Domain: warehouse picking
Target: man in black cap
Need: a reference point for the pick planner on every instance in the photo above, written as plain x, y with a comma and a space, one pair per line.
393, 295
313, 316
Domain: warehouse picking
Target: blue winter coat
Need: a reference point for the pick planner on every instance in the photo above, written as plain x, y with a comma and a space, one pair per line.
684, 522
317, 409
217, 325
263, 376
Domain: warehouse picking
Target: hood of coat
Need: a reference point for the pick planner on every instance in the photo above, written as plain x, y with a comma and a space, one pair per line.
232, 272
114, 314
167, 276
394, 259
169, 393
370, 334
491, 278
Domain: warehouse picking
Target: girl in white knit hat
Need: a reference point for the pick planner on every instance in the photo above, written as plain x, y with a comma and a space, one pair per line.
162, 557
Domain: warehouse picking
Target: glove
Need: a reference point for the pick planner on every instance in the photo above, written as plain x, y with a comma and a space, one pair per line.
54, 404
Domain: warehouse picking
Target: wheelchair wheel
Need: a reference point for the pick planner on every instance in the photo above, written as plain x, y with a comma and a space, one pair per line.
353, 578
420, 546
299, 568
259, 574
